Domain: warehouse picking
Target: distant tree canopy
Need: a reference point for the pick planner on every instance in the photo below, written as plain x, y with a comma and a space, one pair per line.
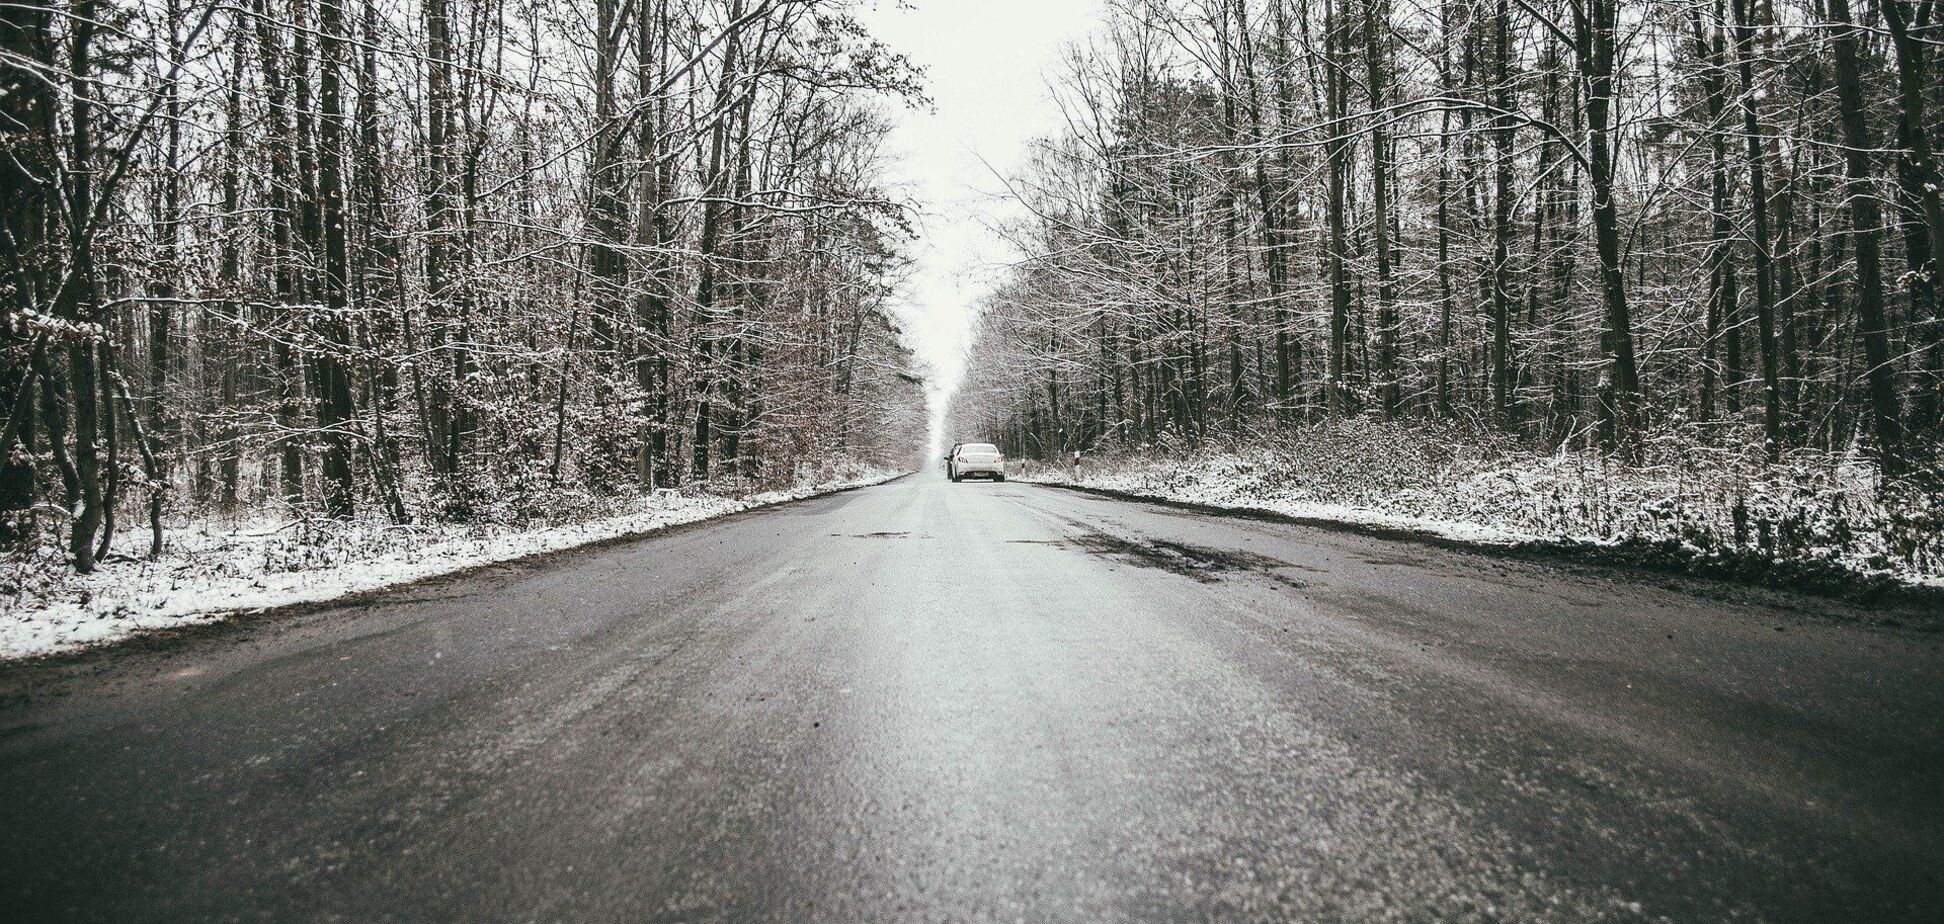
330, 254
1572, 220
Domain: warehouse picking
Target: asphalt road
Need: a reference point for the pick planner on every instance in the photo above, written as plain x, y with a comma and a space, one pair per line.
925, 701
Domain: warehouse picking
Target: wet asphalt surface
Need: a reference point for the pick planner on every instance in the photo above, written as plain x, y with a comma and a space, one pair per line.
936, 702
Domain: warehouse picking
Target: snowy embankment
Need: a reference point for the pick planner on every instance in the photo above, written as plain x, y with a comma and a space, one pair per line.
211, 570
1815, 523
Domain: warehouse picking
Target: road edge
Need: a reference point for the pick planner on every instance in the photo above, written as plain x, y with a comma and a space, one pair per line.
1914, 606
226, 620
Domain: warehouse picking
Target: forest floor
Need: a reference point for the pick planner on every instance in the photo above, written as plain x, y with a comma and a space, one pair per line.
214, 568
1813, 524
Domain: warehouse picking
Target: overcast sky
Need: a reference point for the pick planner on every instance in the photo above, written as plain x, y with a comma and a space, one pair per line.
986, 65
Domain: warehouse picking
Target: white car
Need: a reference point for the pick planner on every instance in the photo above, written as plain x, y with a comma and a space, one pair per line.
975, 460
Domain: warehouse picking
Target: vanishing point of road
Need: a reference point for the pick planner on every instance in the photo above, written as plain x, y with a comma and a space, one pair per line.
934, 702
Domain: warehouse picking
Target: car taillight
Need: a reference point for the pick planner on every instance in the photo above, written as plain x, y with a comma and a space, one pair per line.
1002, 457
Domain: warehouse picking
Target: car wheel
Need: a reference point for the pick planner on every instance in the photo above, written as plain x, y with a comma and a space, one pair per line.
955, 479
999, 478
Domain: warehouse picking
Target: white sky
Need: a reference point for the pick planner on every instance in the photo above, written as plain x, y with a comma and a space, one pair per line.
986, 65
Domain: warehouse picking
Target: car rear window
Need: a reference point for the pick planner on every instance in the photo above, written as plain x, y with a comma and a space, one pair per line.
977, 448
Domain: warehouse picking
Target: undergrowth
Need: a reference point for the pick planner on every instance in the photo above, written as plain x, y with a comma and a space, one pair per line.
1716, 504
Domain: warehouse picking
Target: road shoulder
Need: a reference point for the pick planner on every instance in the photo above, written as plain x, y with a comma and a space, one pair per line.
1833, 593
189, 623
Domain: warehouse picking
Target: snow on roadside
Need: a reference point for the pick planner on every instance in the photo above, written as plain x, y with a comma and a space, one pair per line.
210, 571
1818, 520
1213, 493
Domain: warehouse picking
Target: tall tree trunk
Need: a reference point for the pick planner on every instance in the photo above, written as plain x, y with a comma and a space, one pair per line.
29, 223
1758, 208
162, 310
283, 190
1722, 323
652, 236
335, 410
80, 306
706, 281
380, 275
607, 265
1275, 257
1866, 225
221, 352
1377, 67
1502, 128
1337, 150
1442, 398
1595, 38
440, 398
1922, 184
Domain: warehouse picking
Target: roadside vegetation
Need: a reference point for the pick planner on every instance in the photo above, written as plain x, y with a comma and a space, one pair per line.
292, 284
1660, 271
1811, 522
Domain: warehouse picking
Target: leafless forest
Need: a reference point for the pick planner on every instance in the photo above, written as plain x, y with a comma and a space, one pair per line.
464, 260
438, 259
1580, 225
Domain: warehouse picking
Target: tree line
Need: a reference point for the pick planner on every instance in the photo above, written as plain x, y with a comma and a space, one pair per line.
431, 258
1583, 223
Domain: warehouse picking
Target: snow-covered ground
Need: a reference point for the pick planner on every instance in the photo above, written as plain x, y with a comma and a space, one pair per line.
210, 569
1812, 518
1209, 481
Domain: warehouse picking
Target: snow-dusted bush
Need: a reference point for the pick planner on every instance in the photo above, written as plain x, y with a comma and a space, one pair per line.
1695, 501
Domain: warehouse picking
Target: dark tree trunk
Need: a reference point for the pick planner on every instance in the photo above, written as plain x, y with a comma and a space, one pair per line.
1377, 66
81, 298
1595, 37
28, 226
1866, 224
1759, 212
1502, 137
335, 411
1337, 150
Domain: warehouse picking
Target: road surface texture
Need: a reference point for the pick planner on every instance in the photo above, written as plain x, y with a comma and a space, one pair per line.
935, 702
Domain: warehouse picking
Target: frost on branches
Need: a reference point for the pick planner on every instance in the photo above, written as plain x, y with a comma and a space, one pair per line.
288, 287
1669, 278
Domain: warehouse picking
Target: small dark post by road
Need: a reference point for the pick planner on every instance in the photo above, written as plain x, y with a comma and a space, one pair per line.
1076, 465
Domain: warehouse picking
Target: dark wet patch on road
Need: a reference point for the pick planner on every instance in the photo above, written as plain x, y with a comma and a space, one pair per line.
21, 729
1201, 563
378, 601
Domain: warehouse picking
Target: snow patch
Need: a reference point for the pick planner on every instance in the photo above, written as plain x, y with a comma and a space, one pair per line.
1693, 503
212, 569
